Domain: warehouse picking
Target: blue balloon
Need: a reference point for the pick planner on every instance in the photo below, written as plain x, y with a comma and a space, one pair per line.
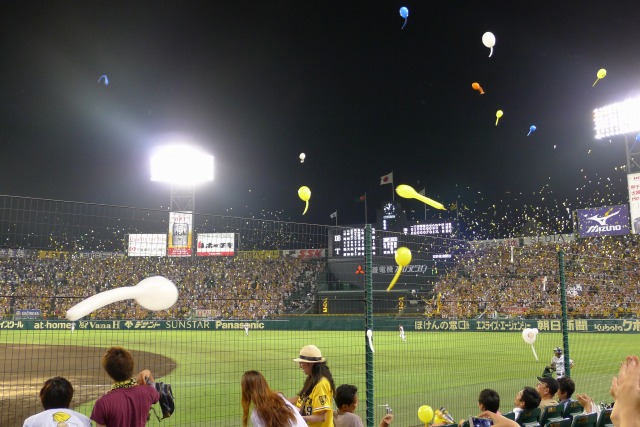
532, 128
404, 12
105, 78
638, 137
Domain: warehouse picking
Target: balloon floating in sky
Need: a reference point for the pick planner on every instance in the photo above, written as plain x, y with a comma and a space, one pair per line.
476, 86
638, 137
498, 115
408, 192
403, 258
105, 78
602, 73
404, 12
489, 40
305, 194
532, 128
302, 157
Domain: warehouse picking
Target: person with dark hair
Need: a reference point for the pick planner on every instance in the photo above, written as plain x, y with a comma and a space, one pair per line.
527, 399
270, 408
347, 401
128, 402
547, 387
316, 397
489, 400
566, 387
55, 396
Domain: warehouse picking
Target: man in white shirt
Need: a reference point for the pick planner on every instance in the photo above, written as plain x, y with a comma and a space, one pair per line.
56, 395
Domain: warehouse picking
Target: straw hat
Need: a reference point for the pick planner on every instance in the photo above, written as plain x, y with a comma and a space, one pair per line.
310, 354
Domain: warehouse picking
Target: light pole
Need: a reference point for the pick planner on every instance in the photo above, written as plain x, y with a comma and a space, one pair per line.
183, 167
623, 118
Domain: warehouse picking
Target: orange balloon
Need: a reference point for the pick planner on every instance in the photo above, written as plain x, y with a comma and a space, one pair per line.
476, 86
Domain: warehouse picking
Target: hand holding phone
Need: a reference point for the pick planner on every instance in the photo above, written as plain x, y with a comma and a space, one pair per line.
480, 422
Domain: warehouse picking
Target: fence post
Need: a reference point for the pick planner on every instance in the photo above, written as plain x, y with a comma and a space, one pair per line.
368, 322
563, 302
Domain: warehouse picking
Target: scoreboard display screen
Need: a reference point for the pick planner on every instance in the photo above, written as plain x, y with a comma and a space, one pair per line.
349, 242
393, 231
440, 228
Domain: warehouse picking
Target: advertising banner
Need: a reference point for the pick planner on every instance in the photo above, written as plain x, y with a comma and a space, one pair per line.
180, 234
633, 183
147, 245
603, 221
328, 323
215, 244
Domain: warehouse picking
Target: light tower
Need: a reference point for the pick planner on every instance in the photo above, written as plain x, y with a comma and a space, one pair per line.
183, 167
623, 118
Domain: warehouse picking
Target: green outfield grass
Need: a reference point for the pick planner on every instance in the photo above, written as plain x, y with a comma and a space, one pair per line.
434, 368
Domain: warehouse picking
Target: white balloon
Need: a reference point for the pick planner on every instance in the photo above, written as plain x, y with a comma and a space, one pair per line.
529, 336
153, 293
489, 39
302, 157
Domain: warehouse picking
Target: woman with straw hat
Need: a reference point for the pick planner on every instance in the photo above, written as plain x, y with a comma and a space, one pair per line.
315, 400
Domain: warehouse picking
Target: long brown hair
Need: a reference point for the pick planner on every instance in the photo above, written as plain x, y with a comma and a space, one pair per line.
318, 371
268, 404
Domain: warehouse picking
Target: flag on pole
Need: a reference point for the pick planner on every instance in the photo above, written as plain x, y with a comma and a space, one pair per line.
361, 198
386, 179
423, 191
334, 215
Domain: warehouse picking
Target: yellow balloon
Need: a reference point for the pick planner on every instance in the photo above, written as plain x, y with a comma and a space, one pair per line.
403, 256
601, 75
498, 115
305, 194
408, 192
425, 413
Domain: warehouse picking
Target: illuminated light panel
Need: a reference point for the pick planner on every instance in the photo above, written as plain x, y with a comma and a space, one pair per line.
181, 165
617, 119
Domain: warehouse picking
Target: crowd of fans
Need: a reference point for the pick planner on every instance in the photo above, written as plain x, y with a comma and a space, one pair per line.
209, 287
601, 279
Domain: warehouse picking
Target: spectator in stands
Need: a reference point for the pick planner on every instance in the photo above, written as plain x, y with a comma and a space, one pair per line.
347, 402
566, 387
315, 400
527, 399
56, 395
489, 400
271, 409
547, 387
129, 400
625, 390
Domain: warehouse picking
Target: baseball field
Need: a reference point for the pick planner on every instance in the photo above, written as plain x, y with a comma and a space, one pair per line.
204, 367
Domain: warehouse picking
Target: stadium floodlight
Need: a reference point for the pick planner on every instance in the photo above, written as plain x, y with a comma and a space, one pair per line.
617, 119
181, 165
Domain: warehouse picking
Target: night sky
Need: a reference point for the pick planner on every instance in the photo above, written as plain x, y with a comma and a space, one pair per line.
255, 83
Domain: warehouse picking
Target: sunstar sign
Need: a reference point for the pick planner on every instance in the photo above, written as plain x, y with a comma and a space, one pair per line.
604, 221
